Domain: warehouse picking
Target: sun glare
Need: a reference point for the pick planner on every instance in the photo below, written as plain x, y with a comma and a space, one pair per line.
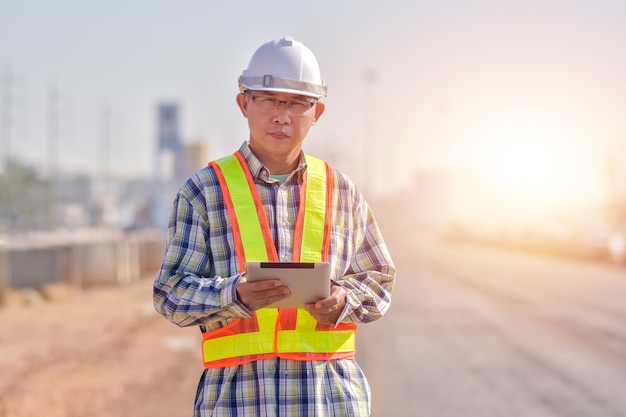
527, 161
524, 158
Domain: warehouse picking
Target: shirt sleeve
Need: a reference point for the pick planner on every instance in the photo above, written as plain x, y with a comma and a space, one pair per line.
370, 277
182, 292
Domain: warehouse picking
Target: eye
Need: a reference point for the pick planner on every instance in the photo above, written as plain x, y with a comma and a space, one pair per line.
266, 101
299, 106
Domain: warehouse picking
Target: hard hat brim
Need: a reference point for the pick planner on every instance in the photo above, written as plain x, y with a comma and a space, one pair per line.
281, 90
281, 85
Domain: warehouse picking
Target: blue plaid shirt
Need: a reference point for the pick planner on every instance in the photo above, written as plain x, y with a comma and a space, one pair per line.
196, 286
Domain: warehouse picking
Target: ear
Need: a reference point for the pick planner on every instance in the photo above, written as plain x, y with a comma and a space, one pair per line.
242, 102
319, 110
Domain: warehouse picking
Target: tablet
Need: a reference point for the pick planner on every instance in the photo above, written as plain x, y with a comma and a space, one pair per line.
308, 281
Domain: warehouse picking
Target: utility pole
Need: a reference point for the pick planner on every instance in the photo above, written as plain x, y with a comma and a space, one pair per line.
369, 138
7, 117
104, 144
52, 157
53, 133
7, 208
103, 153
614, 196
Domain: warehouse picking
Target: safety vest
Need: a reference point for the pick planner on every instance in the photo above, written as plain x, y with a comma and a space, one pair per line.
277, 332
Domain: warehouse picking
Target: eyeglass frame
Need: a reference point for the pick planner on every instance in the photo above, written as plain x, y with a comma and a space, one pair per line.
279, 102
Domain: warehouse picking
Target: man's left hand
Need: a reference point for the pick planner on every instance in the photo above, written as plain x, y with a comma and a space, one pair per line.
329, 309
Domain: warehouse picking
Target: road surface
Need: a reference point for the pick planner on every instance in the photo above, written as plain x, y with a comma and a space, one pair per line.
481, 332
472, 332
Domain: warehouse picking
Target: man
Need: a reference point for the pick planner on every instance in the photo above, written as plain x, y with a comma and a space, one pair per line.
271, 202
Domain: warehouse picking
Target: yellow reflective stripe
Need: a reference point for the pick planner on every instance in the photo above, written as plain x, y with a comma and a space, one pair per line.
243, 344
314, 216
306, 339
245, 209
304, 320
237, 345
311, 341
266, 318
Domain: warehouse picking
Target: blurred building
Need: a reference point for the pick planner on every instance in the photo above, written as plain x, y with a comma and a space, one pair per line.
175, 160
189, 159
169, 126
169, 140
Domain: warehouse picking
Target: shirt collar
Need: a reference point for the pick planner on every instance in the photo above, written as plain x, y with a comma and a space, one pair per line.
259, 171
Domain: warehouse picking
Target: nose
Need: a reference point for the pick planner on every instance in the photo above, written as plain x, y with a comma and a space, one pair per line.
281, 114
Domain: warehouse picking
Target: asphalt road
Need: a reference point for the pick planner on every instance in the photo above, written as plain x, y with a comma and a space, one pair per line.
472, 332
480, 332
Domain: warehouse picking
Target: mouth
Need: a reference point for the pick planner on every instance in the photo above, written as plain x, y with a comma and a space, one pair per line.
278, 134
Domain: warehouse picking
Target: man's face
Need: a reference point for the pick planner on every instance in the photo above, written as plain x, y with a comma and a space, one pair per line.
278, 131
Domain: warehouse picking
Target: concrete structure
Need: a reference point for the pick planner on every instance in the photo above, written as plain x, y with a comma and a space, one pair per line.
5, 273
114, 259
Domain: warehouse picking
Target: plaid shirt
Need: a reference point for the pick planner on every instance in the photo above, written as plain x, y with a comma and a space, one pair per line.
197, 282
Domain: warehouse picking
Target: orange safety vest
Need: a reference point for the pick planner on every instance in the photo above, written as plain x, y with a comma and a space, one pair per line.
277, 332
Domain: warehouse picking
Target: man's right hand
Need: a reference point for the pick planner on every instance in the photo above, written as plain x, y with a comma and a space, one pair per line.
259, 294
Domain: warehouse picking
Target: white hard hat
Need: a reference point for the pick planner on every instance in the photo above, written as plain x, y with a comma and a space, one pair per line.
285, 66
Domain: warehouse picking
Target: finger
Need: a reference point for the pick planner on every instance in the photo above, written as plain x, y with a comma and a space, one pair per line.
269, 297
277, 292
325, 304
264, 285
273, 299
326, 318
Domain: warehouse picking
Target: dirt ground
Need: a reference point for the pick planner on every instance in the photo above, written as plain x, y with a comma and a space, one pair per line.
98, 352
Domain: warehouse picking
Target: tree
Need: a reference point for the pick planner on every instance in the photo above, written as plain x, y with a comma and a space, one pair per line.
24, 199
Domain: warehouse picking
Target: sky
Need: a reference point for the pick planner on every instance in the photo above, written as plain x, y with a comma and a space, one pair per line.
514, 91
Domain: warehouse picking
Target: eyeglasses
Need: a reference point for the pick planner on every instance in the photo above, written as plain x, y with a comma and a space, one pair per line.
269, 104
